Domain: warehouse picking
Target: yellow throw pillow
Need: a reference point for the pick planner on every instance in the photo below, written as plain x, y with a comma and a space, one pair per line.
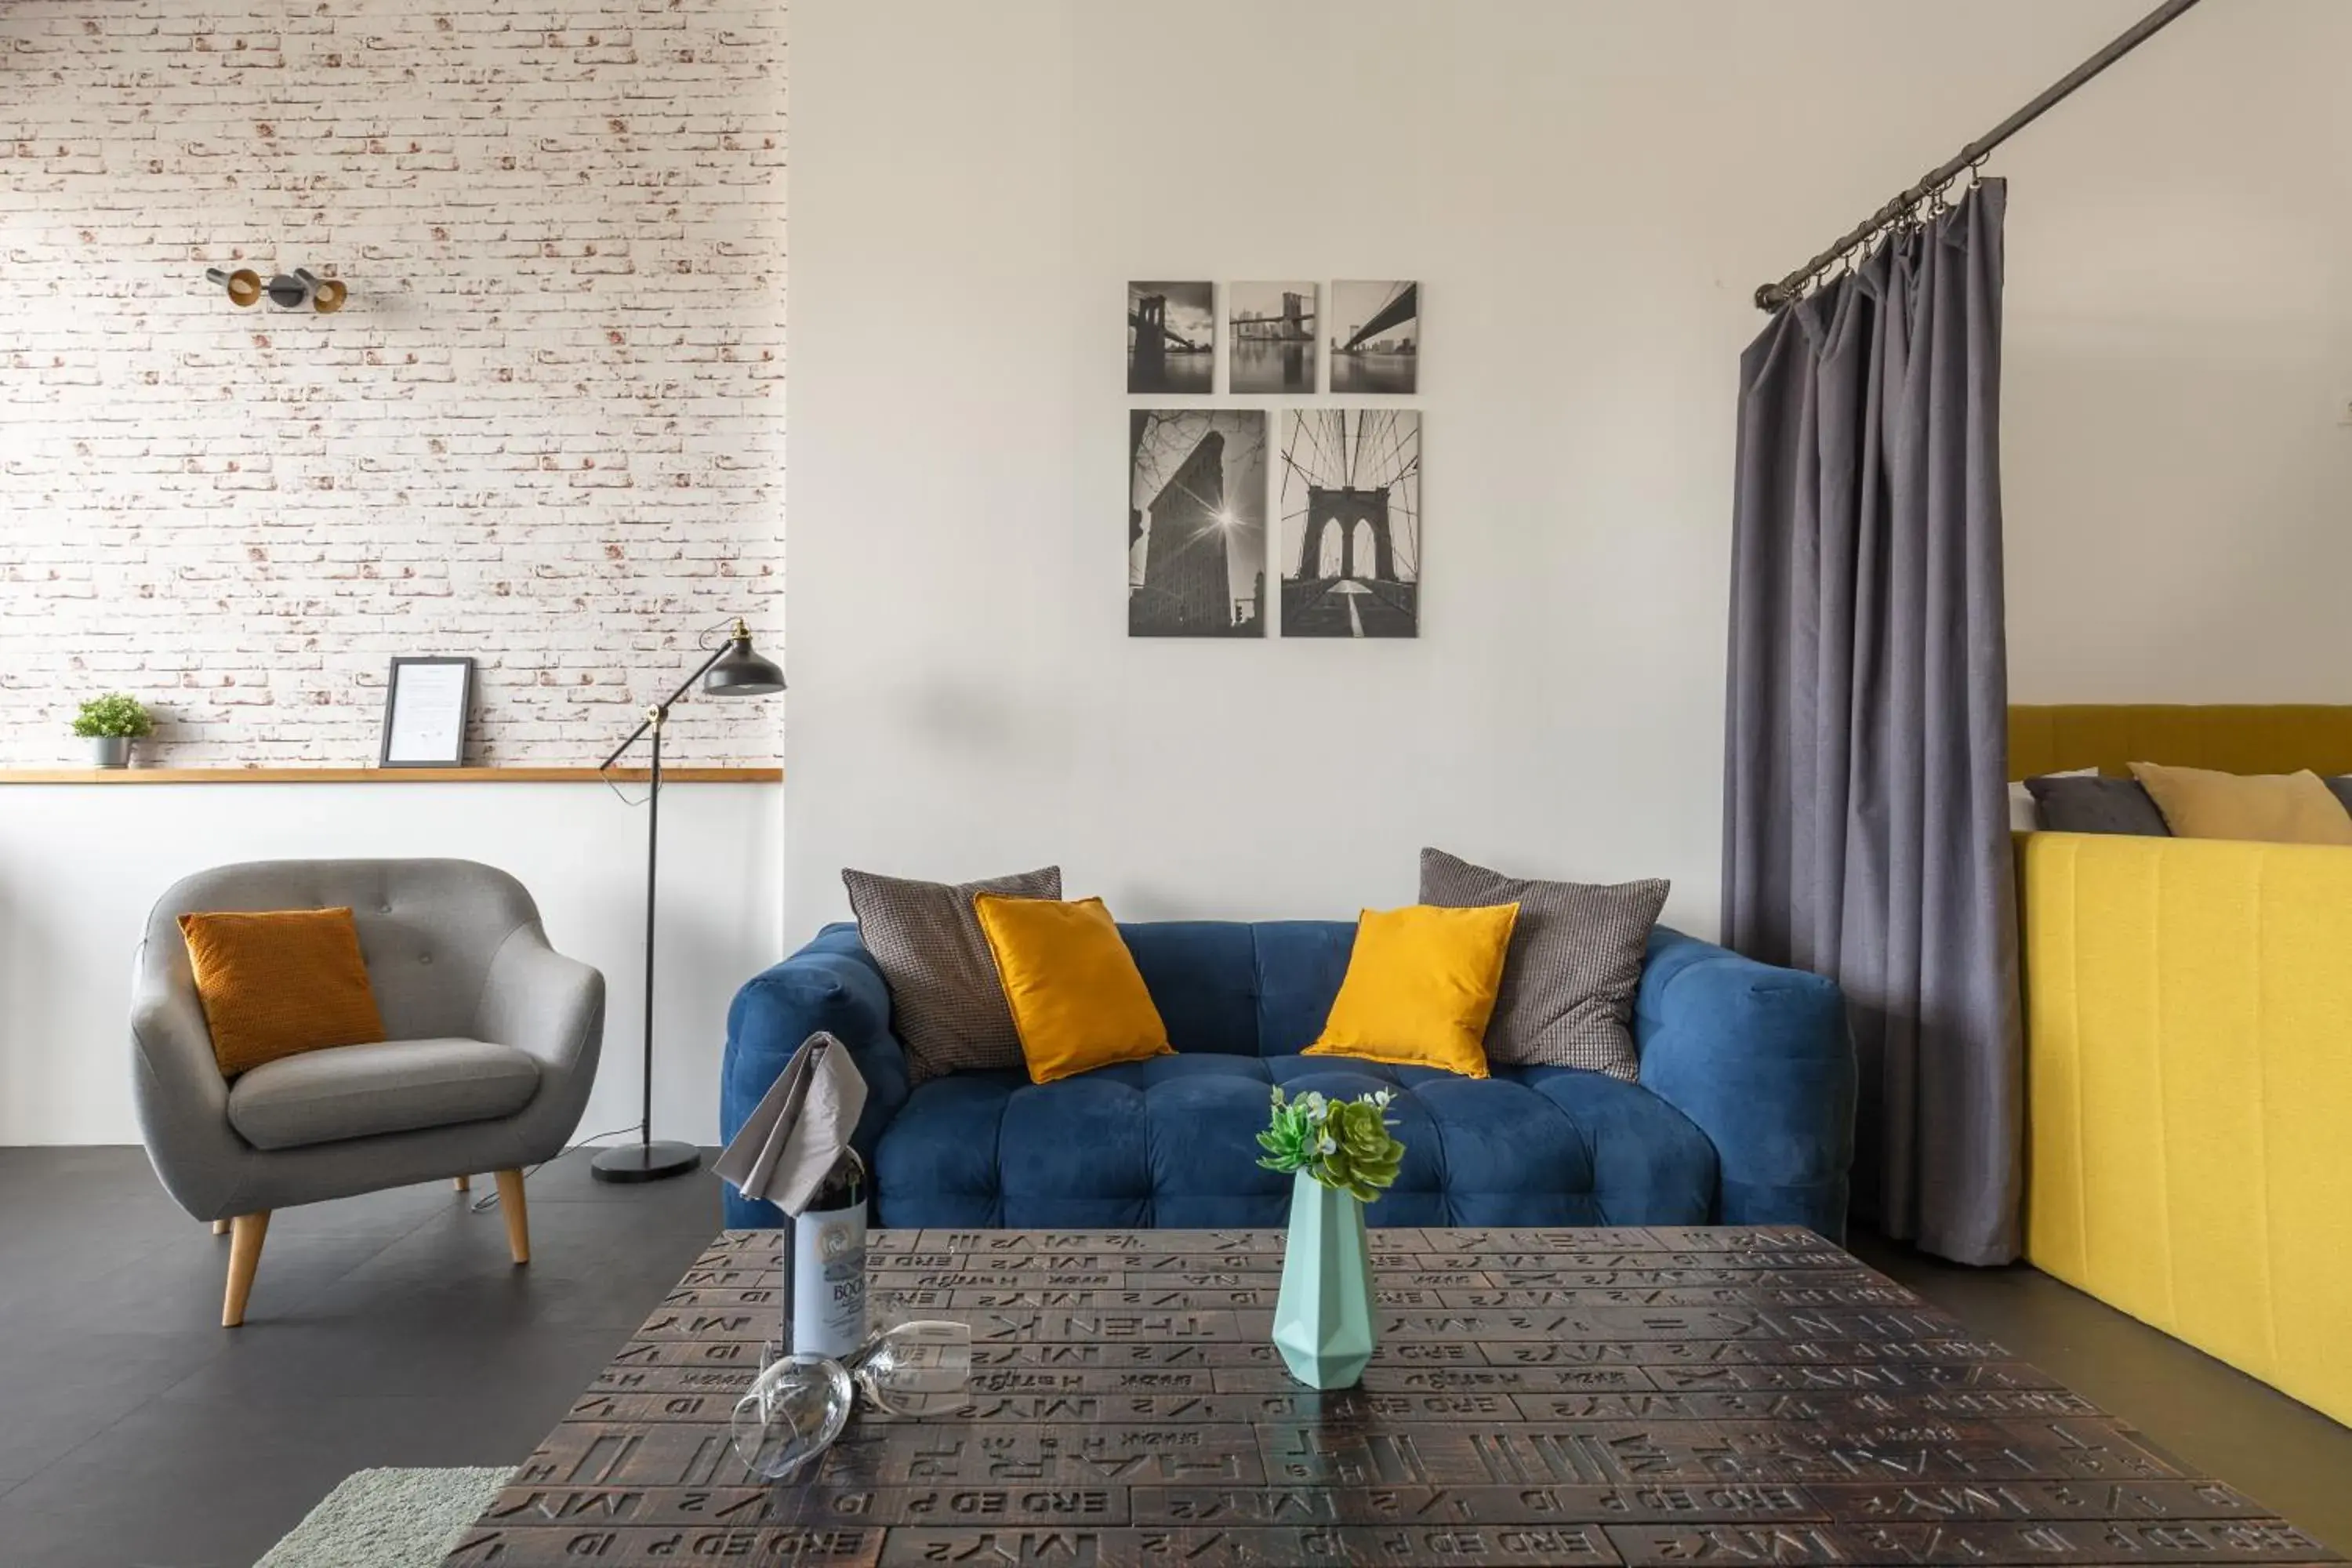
1420, 987
2276, 808
1079, 1002
276, 983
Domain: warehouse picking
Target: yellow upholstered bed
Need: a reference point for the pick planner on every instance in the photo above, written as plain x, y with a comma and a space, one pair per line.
2188, 1025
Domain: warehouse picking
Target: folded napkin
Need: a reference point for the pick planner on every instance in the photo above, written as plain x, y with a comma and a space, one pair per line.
799, 1127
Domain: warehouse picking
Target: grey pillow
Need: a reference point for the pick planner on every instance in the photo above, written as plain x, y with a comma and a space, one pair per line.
1574, 964
2097, 806
947, 1004
2342, 786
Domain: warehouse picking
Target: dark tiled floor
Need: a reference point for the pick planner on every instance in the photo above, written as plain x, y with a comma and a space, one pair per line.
2220, 1421
391, 1330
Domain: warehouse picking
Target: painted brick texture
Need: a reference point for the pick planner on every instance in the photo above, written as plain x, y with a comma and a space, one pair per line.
547, 431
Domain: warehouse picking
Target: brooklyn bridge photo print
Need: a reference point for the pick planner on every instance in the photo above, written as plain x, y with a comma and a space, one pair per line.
1196, 522
1172, 337
1351, 522
1376, 338
1270, 337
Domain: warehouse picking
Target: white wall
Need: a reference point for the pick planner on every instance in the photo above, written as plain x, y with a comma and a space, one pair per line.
81, 864
1589, 193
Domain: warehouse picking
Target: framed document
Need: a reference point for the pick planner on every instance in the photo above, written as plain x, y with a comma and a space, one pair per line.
426, 702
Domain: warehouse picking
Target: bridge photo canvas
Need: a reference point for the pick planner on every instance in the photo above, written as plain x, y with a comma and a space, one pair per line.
1171, 334
1270, 337
1351, 502
1196, 522
1376, 338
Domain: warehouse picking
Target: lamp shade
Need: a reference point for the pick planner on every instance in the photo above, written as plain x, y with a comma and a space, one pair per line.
740, 672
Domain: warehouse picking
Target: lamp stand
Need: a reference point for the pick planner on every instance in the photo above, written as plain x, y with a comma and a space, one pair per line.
646, 1160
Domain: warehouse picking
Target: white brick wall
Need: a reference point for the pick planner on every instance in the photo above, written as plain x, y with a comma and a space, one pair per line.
547, 431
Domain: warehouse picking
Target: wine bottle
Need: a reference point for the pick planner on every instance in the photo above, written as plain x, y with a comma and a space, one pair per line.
825, 1275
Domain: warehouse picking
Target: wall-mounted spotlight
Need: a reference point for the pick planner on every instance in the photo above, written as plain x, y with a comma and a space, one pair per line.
287, 290
244, 285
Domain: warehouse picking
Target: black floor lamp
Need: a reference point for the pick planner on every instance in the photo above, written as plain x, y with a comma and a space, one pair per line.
733, 670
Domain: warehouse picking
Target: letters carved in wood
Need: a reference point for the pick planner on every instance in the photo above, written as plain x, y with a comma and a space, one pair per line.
1637, 1396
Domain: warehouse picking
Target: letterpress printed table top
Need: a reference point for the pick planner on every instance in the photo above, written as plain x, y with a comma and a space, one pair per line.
1643, 1396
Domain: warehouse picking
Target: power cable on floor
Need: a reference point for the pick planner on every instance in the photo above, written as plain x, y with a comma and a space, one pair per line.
489, 1200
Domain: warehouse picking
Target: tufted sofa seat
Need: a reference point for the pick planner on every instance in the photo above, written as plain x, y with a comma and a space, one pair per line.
1743, 1114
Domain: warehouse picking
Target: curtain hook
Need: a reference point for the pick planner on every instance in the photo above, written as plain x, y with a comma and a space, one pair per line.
1976, 170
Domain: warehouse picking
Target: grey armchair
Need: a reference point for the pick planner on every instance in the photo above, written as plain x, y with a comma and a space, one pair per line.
494, 1039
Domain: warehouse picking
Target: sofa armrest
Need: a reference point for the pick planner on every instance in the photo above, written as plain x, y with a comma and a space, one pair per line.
548, 1007
833, 984
1761, 1059
177, 1089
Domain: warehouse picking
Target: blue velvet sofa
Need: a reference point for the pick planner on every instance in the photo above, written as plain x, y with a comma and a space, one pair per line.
1743, 1113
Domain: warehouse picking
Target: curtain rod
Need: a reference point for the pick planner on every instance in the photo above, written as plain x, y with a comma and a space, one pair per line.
1773, 296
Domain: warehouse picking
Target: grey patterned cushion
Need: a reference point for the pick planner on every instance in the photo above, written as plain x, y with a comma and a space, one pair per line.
1574, 964
947, 1005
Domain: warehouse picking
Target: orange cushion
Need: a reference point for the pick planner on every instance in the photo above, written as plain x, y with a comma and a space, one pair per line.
1420, 987
1077, 999
276, 983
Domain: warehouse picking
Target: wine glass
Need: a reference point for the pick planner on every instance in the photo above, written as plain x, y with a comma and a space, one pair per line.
797, 1406
917, 1369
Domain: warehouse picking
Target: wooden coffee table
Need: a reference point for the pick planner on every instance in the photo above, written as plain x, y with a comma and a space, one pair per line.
1656, 1395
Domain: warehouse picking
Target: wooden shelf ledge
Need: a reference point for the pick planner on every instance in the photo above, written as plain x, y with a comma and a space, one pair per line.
380, 776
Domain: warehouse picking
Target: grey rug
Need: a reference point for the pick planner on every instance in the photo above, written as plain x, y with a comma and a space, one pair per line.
388, 1518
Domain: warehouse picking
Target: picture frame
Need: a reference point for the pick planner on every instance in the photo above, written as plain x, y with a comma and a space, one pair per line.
426, 701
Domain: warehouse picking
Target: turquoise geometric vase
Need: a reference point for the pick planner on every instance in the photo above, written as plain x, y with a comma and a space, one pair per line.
1323, 1319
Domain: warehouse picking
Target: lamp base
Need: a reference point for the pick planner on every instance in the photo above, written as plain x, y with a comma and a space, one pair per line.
645, 1162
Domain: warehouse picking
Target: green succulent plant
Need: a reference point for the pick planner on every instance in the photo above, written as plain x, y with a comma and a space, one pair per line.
1345, 1144
116, 713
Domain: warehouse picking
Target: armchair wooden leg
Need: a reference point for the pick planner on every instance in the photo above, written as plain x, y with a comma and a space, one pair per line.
244, 1257
463, 1184
510, 1203
220, 1227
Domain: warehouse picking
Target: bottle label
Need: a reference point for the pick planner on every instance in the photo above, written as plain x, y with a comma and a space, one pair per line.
829, 1281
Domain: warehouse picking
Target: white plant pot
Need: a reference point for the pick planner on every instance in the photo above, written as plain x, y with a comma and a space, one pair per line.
109, 751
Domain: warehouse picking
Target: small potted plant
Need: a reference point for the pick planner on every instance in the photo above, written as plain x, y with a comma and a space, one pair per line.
110, 723
1343, 1156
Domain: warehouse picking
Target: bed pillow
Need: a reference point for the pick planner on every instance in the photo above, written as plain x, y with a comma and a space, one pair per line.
2024, 815
2071, 803
947, 1005
2269, 808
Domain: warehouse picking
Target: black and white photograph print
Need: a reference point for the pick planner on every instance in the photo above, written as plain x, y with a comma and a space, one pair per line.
1351, 522
1376, 338
1196, 522
1171, 334
1270, 337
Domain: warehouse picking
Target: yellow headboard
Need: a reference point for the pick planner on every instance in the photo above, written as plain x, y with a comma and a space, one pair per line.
2236, 739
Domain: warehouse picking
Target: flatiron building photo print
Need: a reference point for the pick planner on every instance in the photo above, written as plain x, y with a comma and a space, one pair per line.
1196, 522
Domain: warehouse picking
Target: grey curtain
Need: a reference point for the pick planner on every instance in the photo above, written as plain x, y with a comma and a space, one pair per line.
1866, 814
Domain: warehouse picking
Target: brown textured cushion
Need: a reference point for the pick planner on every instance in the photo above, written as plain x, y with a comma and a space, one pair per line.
276, 983
2275, 808
1574, 964
947, 1004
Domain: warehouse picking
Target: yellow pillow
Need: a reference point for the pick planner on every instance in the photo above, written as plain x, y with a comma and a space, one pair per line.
1420, 987
276, 983
1079, 1002
2277, 808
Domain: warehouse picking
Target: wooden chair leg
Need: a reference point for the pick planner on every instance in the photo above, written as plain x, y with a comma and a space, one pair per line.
220, 1227
463, 1184
244, 1257
510, 1203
